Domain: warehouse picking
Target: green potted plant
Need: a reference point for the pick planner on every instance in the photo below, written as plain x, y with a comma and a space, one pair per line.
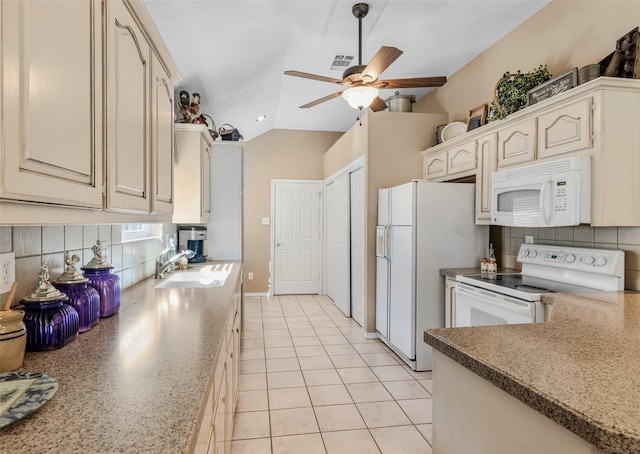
510, 93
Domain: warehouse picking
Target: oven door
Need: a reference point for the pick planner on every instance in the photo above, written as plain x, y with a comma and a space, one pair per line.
476, 307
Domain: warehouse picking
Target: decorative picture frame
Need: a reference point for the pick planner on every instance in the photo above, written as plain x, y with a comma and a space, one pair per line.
477, 117
553, 87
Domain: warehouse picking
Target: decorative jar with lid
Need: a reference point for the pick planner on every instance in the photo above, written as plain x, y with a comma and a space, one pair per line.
84, 298
50, 322
98, 271
13, 336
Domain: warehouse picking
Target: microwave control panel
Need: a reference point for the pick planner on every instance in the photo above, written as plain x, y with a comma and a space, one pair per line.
560, 196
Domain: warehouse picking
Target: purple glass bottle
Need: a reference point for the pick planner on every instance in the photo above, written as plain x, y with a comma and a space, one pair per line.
98, 271
50, 322
84, 299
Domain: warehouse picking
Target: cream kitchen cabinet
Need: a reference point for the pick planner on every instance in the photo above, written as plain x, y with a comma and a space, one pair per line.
192, 174
51, 122
565, 129
162, 120
99, 140
449, 302
216, 428
598, 119
456, 161
517, 143
487, 164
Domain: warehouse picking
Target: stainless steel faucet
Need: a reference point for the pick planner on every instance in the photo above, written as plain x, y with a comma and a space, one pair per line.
163, 263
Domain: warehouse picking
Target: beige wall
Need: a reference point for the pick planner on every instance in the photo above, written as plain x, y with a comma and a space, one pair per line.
564, 34
276, 154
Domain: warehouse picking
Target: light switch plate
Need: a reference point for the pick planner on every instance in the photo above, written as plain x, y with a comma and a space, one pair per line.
265, 221
7, 271
250, 276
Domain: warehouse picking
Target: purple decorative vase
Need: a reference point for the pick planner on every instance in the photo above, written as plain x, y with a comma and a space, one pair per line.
98, 272
107, 285
50, 325
50, 322
83, 298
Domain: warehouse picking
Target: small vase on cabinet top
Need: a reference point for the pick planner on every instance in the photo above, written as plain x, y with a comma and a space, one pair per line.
107, 284
50, 322
84, 298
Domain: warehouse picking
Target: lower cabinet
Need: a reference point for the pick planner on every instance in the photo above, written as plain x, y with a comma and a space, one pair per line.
450, 302
216, 428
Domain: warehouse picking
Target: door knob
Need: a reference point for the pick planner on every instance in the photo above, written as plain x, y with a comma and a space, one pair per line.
277, 244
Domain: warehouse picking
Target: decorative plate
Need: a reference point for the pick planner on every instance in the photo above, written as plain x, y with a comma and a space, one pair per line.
453, 129
42, 389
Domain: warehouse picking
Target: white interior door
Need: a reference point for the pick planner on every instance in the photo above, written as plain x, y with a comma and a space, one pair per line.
296, 237
357, 245
338, 243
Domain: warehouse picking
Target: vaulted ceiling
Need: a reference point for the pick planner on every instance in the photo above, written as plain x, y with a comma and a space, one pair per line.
234, 53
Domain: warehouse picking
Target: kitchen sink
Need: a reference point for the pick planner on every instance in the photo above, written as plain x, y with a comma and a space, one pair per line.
205, 277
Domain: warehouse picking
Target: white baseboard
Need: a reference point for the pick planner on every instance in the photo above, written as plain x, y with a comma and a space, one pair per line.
256, 293
371, 336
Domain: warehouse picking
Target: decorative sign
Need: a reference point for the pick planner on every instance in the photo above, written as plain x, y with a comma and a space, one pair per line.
553, 87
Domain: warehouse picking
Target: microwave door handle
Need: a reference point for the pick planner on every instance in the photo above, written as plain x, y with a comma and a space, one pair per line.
545, 217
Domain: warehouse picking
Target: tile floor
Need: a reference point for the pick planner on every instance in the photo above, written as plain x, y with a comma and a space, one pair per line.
311, 383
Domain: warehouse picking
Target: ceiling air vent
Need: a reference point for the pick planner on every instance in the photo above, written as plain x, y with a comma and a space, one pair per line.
341, 62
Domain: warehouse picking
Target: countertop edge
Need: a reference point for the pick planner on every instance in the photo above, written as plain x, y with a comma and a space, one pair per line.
585, 428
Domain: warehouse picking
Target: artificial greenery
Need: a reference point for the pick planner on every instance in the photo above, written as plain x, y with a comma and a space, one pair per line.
511, 91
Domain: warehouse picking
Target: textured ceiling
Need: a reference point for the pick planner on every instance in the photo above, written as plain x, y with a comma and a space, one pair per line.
234, 53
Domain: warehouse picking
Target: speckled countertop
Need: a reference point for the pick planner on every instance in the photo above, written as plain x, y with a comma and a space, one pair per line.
581, 369
136, 382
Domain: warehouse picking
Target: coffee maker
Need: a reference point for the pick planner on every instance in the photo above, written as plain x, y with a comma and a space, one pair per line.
192, 237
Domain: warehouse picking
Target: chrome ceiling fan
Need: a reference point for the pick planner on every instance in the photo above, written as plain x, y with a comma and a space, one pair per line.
362, 80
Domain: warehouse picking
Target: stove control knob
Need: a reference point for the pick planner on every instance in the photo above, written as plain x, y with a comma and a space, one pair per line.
525, 253
589, 260
533, 254
601, 261
570, 258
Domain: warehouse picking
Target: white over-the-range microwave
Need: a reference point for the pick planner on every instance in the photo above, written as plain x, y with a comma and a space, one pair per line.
549, 194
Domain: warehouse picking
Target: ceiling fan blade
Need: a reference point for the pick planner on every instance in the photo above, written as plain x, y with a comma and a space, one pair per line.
313, 77
321, 100
414, 82
378, 104
381, 61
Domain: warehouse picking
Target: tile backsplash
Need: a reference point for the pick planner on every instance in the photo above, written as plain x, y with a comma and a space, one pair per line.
35, 246
507, 241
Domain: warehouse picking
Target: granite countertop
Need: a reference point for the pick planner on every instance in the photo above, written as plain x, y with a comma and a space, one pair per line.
581, 369
453, 272
136, 382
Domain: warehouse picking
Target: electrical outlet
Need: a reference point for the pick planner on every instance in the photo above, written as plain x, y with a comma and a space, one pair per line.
528, 239
265, 221
7, 271
250, 276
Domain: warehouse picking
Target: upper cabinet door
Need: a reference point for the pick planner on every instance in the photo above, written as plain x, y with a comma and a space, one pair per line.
51, 129
128, 69
517, 143
161, 139
565, 129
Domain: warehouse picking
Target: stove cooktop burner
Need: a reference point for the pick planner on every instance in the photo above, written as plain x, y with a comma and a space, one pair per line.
525, 285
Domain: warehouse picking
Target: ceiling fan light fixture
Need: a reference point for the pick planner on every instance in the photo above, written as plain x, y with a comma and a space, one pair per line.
360, 97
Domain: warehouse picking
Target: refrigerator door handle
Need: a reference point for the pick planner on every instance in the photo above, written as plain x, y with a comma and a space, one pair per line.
386, 242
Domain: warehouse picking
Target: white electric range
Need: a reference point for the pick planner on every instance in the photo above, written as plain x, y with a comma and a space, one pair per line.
496, 299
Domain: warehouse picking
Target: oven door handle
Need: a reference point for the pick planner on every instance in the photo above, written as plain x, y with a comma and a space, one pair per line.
494, 299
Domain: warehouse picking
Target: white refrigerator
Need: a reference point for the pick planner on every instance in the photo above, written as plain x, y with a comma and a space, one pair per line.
422, 227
